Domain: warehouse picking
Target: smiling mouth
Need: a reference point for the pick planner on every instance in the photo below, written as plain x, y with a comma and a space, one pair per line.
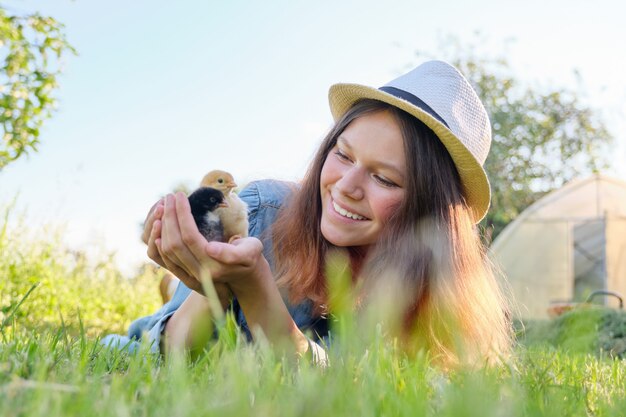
346, 213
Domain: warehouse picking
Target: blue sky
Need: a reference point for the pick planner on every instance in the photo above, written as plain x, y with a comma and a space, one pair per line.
162, 92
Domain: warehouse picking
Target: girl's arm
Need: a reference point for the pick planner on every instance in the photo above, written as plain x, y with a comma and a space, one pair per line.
176, 244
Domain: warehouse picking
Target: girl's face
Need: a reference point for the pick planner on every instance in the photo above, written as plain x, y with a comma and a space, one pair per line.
362, 180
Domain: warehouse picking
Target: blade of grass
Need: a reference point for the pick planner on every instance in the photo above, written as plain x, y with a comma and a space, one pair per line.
211, 294
17, 306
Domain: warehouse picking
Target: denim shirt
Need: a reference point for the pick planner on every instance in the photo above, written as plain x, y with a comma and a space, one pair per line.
264, 199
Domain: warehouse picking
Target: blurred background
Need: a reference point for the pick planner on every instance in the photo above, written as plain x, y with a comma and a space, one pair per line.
147, 96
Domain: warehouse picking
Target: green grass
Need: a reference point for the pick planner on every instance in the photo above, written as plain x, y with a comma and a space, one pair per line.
51, 374
52, 365
66, 287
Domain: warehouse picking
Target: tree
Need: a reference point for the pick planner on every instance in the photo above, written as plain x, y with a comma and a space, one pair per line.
541, 139
31, 47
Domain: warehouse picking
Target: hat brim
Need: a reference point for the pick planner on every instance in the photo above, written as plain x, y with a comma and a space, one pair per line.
474, 180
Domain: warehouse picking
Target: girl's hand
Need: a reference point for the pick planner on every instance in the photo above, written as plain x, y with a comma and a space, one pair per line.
156, 211
240, 265
152, 231
188, 255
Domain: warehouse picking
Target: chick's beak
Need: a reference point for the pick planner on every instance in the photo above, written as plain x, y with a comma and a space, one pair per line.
223, 204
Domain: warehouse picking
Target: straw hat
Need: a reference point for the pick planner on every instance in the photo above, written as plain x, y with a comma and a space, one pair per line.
439, 96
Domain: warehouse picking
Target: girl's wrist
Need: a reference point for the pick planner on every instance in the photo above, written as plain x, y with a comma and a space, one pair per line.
263, 306
254, 284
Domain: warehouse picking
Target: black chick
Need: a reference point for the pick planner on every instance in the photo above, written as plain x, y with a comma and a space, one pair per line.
206, 203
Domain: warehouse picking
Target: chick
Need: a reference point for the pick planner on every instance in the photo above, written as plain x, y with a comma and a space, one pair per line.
206, 206
235, 217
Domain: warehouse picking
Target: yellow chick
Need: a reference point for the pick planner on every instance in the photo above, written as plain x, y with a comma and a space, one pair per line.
235, 217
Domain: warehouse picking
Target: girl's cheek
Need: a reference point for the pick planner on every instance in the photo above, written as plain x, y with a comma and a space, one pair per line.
387, 209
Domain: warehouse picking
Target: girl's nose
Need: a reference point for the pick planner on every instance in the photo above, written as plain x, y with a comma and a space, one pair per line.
351, 183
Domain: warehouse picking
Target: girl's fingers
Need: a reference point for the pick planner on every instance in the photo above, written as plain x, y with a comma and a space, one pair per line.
172, 245
183, 275
153, 252
155, 213
190, 235
243, 252
167, 244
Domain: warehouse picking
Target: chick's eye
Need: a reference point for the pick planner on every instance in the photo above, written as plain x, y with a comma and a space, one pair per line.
220, 180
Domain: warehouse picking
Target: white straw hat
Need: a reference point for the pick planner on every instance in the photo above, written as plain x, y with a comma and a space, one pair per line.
440, 97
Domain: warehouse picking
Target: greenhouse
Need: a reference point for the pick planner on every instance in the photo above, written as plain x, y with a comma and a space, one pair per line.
565, 246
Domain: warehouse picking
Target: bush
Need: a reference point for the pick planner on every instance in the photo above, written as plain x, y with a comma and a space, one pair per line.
585, 329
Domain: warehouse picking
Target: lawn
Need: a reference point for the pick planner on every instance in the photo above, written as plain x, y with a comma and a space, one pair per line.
55, 305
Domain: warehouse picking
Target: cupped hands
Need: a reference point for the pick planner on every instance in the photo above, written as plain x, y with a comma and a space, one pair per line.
175, 243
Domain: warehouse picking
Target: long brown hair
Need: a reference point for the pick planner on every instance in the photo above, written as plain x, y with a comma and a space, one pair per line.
430, 245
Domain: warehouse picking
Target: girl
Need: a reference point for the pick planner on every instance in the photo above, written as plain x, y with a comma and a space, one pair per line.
397, 185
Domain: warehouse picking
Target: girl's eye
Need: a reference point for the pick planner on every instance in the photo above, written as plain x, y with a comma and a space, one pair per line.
342, 155
385, 182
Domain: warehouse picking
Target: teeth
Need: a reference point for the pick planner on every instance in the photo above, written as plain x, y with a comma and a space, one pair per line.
346, 213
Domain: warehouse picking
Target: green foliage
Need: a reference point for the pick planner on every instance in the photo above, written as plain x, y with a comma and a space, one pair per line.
67, 287
30, 49
542, 137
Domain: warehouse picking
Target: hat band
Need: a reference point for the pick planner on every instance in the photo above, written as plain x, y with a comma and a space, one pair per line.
414, 100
